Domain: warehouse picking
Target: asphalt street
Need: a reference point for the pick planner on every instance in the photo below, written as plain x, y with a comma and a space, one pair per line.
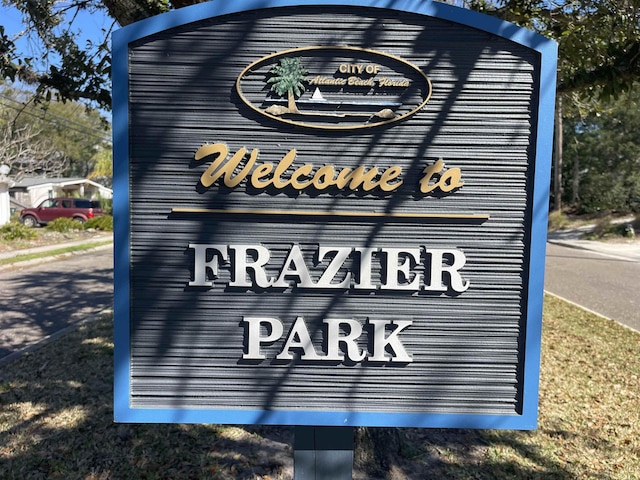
605, 283
40, 300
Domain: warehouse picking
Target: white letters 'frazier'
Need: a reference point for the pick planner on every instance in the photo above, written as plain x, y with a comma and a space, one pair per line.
252, 266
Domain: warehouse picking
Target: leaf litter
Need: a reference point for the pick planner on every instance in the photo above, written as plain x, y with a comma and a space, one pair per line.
56, 411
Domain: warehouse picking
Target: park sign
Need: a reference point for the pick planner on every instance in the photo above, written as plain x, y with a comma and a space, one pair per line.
330, 213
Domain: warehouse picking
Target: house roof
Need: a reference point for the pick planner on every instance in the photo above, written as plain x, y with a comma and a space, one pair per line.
29, 182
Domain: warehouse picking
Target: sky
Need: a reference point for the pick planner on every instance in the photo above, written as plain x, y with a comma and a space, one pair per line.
89, 27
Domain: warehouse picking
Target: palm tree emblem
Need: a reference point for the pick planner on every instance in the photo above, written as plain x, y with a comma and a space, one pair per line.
287, 79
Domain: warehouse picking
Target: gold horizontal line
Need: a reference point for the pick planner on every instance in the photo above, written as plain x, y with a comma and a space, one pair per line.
317, 213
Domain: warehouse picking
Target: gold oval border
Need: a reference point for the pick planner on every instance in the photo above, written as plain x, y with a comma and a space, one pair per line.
319, 127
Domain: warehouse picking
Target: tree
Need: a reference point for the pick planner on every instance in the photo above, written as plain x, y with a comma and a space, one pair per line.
53, 139
603, 154
26, 154
102, 167
61, 66
79, 133
599, 42
599, 50
287, 79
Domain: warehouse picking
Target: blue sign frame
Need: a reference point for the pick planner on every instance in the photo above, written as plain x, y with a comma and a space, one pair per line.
547, 50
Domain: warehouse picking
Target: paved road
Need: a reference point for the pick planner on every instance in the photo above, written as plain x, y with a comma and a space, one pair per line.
606, 284
40, 300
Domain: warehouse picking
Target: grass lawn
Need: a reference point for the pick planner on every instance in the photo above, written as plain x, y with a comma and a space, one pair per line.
56, 420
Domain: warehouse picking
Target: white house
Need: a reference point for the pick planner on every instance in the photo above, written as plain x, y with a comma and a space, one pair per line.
5, 204
32, 191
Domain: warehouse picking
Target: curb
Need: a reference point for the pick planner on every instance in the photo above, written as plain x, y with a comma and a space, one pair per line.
105, 241
626, 252
592, 312
54, 336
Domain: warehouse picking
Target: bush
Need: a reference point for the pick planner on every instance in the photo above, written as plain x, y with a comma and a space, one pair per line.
557, 221
103, 222
107, 205
64, 224
16, 231
607, 229
599, 192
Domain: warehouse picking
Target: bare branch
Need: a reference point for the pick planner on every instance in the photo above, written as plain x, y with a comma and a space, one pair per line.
27, 154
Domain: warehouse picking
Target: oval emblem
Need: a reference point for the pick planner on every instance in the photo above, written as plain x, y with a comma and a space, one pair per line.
334, 88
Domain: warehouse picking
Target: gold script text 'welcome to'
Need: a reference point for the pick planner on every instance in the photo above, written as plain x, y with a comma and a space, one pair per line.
233, 171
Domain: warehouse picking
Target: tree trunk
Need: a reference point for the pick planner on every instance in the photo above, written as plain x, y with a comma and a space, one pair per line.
557, 157
293, 108
575, 181
126, 12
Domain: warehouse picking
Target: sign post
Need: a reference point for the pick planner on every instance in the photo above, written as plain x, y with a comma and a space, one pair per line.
330, 214
323, 453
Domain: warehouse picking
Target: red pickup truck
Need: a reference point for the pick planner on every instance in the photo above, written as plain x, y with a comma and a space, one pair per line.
80, 209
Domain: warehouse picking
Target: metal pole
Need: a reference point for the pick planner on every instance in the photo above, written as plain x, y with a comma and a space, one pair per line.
323, 453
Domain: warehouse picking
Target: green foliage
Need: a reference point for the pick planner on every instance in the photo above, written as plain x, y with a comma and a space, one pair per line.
607, 229
16, 231
56, 139
609, 192
287, 77
103, 222
599, 40
557, 221
64, 224
78, 132
102, 167
107, 205
59, 64
602, 157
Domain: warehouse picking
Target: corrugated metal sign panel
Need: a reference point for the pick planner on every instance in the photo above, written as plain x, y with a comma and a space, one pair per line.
189, 345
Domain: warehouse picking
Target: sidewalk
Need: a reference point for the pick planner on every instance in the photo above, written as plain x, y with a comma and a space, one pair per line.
98, 240
627, 249
22, 329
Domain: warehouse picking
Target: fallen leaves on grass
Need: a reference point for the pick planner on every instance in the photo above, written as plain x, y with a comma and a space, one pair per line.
589, 421
56, 420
